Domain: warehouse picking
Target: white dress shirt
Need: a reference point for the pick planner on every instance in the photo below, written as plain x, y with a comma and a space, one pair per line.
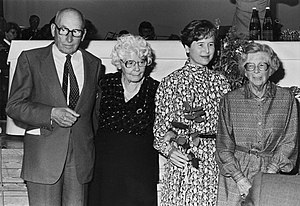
77, 64
78, 67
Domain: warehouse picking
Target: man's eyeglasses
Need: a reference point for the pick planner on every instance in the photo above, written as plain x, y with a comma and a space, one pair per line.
262, 66
66, 31
132, 63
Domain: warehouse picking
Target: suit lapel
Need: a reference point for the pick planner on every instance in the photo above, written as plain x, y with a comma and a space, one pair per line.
50, 77
89, 75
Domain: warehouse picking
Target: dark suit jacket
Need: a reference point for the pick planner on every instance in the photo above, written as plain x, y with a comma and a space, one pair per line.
34, 92
29, 34
4, 49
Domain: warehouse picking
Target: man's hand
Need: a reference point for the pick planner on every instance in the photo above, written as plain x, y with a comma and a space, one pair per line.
64, 117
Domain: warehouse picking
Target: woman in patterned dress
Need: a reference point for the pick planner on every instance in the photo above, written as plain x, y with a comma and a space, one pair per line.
126, 165
185, 124
257, 129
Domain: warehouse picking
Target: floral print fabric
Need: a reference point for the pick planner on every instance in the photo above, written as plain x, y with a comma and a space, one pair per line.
202, 87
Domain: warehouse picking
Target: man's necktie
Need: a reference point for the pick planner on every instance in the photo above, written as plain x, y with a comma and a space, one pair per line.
74, 89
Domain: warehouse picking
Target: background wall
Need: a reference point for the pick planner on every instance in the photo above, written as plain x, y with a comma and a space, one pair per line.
167, 16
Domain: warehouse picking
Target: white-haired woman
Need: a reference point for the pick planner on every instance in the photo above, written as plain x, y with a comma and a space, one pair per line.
126, 168
257, 128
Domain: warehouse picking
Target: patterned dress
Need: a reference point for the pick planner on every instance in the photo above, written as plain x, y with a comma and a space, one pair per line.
126, 165
199, 87
267, 127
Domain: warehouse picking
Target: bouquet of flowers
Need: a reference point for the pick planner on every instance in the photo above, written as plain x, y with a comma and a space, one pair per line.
232, 46
186, 144
290, 35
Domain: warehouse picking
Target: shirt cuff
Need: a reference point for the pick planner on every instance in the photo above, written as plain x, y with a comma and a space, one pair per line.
237, 176
273, 167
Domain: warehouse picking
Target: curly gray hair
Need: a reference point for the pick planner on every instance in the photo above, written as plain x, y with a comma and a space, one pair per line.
127, 44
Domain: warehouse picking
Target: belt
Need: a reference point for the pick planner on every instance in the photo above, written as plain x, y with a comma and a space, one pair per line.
252, 151
198, 134
208, 136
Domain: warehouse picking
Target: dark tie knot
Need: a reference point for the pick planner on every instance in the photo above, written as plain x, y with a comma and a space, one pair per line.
68, 57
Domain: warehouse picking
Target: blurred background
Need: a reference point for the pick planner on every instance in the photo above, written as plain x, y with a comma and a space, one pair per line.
168, 17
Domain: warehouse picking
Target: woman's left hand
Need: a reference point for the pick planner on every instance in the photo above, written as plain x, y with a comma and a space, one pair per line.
177, 158
271, 171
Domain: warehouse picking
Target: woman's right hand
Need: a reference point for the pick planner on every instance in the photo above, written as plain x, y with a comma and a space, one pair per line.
178, 158
244, 185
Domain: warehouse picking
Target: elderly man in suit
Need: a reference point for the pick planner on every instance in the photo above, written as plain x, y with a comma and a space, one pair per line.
52, 96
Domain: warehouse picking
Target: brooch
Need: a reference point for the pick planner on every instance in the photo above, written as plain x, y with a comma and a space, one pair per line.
139, 111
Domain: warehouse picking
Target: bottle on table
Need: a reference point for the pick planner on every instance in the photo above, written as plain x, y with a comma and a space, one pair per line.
277, 34
267, 26
254, 27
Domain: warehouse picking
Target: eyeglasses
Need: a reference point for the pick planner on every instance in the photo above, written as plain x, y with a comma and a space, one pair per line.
66, 31
132, 63
262, 66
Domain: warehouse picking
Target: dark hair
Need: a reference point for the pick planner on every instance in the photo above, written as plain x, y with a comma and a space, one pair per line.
145, 25
15, 26
2, 26
91, 30
12, 25
197, 30
124, 31
52, 20
34, 17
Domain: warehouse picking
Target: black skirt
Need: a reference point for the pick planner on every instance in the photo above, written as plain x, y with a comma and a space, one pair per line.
126, 170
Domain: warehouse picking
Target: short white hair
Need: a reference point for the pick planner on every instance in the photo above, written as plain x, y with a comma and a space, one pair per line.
127, 44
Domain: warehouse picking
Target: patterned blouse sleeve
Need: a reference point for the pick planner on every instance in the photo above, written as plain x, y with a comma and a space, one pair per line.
163, 110
225, 144
285, 155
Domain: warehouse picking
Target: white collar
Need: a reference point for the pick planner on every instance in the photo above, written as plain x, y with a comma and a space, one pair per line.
75, 56
6, 41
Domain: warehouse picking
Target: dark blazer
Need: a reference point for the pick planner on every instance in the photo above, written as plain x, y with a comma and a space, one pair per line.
4, 49
34, 92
